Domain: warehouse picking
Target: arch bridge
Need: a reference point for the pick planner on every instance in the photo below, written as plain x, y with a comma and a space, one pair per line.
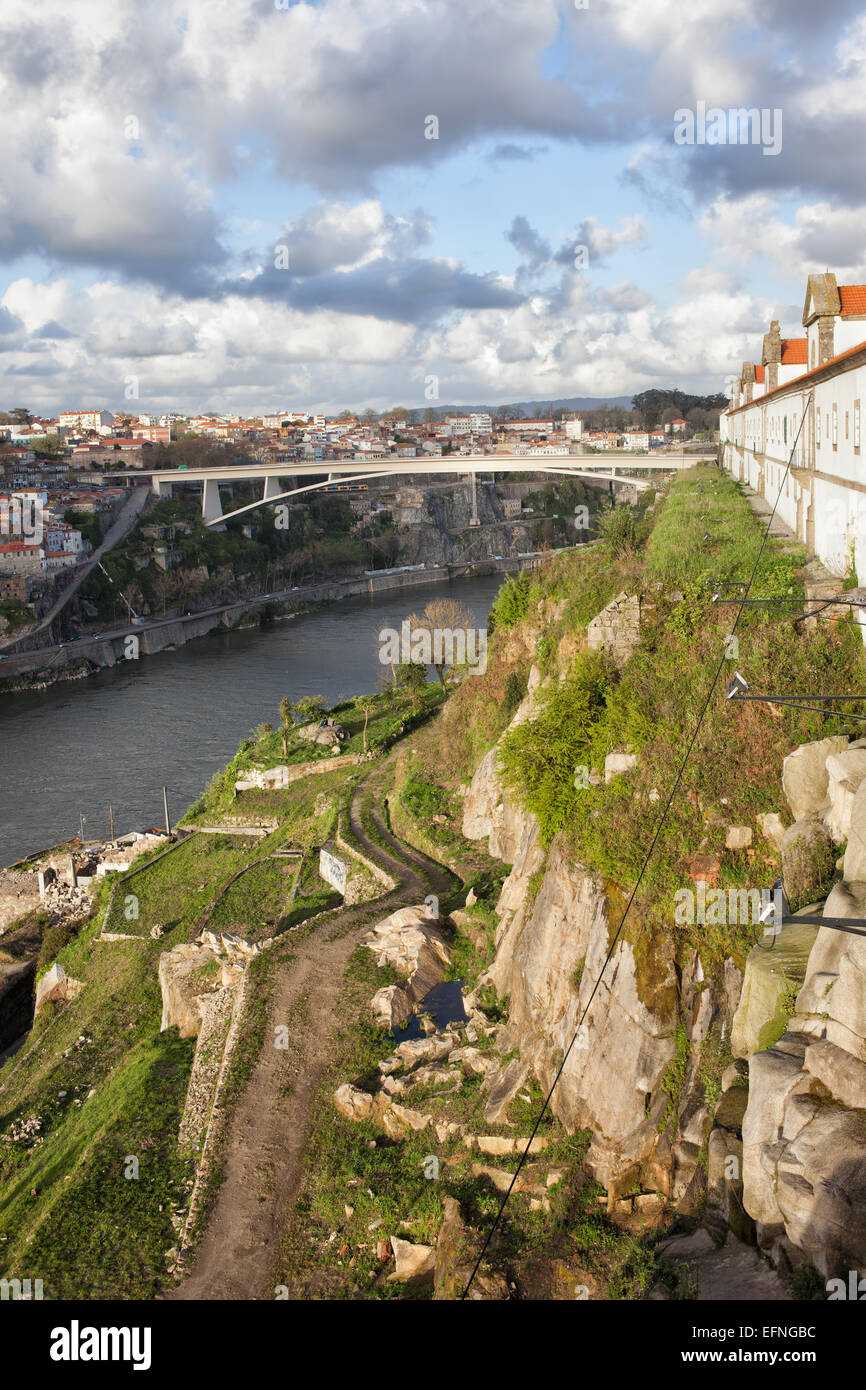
328, 471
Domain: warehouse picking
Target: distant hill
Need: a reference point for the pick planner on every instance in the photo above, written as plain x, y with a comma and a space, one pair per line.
528, 408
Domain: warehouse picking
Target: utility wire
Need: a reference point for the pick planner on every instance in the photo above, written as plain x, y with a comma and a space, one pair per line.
643, 869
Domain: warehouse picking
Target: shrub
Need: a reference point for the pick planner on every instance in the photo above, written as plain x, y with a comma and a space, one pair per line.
511, 603
515, 690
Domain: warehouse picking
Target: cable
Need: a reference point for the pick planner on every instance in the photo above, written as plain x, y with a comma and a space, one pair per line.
643, 868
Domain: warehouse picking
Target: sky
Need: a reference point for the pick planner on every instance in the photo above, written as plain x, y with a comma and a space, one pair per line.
256, 205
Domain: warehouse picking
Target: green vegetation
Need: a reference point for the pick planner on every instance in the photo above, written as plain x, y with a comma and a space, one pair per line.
107, 1087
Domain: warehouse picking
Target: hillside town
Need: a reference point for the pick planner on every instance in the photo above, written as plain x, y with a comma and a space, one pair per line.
60, 489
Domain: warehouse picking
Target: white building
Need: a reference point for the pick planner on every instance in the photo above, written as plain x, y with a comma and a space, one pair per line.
636, 439
460, 424
574, 428
808, 409
86, 419
480, 422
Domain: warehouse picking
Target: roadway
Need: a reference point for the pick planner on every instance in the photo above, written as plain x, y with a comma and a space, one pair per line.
129, 514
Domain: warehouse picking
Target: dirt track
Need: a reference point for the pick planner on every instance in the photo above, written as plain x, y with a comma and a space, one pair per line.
270, 1123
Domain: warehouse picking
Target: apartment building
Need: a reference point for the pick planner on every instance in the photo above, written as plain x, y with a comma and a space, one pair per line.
86, 419
802, 402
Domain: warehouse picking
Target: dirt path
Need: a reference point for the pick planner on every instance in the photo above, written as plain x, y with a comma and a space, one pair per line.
270, 1123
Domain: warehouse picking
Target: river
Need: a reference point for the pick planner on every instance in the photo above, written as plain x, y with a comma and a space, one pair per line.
174, 719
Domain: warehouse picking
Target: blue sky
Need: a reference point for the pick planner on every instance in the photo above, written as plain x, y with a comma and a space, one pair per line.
153, 257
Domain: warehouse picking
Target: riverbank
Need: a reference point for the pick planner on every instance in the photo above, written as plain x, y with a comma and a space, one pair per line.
32, 673
115, 739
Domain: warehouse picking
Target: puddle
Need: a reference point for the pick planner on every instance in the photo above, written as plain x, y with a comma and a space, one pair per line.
444, 1004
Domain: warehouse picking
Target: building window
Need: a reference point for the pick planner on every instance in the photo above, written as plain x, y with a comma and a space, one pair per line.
817, 429
835, 426
857, 427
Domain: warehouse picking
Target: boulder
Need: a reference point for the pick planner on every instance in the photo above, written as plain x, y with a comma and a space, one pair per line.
775, 970
391, 1006
855, 855
772, 1075
832, 1002
412, 942
397, 1119
488, 812
808, 861
417, 1050
771, 827
412, 1263
845, 772
805, 778
354, 1103
843, 1075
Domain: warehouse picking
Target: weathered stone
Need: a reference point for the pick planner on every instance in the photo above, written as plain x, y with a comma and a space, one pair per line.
618, 762
775, 970
772, 1075
502, 1085
391, 1006
832, 1002
547, 962
397, 1119
353, 1103
473, 1062
413, 943
187, 974
455, 1262
489, 813
55, 985
807, 861
738, 837
424, 1049
855, 854
845, 772
771, 827
843, 1075
413, 1263
728, 1273
804, 775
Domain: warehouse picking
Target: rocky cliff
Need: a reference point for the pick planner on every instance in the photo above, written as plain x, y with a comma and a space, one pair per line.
771, 1144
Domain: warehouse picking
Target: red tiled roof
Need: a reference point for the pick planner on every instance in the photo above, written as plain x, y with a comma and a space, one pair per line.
800, 381
794, 352
852, 299
759, 372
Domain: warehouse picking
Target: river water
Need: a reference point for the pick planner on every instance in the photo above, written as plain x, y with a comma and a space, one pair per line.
174, 719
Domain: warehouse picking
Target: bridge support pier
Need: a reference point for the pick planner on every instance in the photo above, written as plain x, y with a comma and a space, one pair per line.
163, 488
211, 507
271, 489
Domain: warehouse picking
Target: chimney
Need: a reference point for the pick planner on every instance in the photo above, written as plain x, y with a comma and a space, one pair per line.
771, 354
747, 376
821, 307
